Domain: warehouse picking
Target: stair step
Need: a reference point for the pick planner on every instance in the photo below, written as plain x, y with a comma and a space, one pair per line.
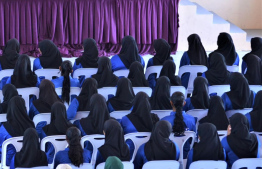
218, 20
202, 11
235, 29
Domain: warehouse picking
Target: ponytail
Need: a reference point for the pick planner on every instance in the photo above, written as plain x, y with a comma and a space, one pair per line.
66, 69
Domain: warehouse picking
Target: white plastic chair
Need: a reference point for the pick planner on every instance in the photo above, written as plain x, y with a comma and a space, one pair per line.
153, 69
119, 114
244, 111
105, 91
42, 167
249, 163
80, 115
42, 117
255, 88
1, 96
6, 73
181, 89
2, 118
83, 166
161, 164
198, 113
219, 89
87, 72
147, 90
222, 134
48, 73
26, 92
126, 164
259, 136
208, 164
233, 68
193, 70
73, 91
124, 73
162, 113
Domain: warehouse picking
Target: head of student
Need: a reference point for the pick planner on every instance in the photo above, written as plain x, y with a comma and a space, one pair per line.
10, 54
113, 162
9, 91
163, 51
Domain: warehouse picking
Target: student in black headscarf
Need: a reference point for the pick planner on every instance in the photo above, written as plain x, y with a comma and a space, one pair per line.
209, 146
217, 73
9, 91
253, 72
136, 75
216, 114
123, 100
10, 54
104, 75
50, 56
30, 155
160, 99
239, 143
169, 70
240, 96
200, 97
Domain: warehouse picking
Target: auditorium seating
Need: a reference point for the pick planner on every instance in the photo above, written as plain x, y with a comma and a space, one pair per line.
2, 118
6, 73
164, 164
83, 166
147, 90
222, 134
153, 69
121, 73
255, 88
208, 164
26, 93
121, 113
233, 68
248, 163
174, 89
87, 72
219, 90
198, 113
48, 73
126, 164
230, 113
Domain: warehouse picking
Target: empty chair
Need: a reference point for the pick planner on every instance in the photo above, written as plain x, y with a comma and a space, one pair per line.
181, 89
107, 91
87, 72
230, 113
121, 73
26, 93
147, 90
219, 90
249, 163
233, 68
48, 73
153, 69
162, 164
208, 164
126, 164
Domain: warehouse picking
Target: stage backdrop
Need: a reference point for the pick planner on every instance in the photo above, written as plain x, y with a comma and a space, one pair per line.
68, 22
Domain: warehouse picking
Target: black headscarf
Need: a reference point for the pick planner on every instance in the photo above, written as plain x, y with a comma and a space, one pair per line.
160, 99
17, 118
256, 113
124, 95
9, 91
115, 144
216, 114
169, 70
94, 122
47, 97
254, 69
59, 123
209, 147
23, 76
89, 88
227, 48
240, 94
136, 75
163, 51
104, 75
90, 56
256, 47
159, 146
10, 54
242, 143
51, 56
30, 155
196, 51
129, 51
200, 97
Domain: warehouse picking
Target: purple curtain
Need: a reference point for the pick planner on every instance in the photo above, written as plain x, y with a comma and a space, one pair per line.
68, 22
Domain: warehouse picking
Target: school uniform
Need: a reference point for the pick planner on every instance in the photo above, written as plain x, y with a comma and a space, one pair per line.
37, 64
58, 82
250, 122
188, 106
117, 63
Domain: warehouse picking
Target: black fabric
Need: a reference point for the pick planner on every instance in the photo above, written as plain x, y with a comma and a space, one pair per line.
115, 144
209, 147
216, 114
10, 54
90, 56
17, 118
196, 51
104, 75
240, 95
123, 100
9, 91
227, 48
94, 122
159, 146
256, 113
58, 124
169, 70
129, 51
160, 99
51, 56
23, 76
254, 69
200, 97
242, 143
217, 73
136, 75
30, 155
256, 47
163, 51
89, 88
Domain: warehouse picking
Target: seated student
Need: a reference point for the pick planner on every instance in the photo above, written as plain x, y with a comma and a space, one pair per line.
240, 96
140, 119
216, 114
196, 55
113, 162
253, 72
30, 155
47, 97
50, 56
160, 99
200, 97
136, 75
104, 75
9, 91
127, 55
159, 146
123, 100
74, 153
17, 122
169, 70
239, 143
82, 102
209, 146
180, 121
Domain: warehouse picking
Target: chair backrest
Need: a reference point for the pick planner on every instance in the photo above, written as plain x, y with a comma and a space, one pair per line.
80, 115
165, 164
42, 167
219, 89
83, 166
147, 90
126, 164
6, 73
233, 68
259, 136
193, 70
74, 91
244, 111
153, 69
26, 92
181, 89
248, 163
255, 88
1, 96
161, 113
48, 73
123, 73
42, 117
105, 91
208, 164
2, 118
87, 72
119, 114
198, 113
222, 134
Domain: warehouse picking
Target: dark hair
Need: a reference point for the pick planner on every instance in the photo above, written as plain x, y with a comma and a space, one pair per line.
178, 99
73, 136
66, 69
